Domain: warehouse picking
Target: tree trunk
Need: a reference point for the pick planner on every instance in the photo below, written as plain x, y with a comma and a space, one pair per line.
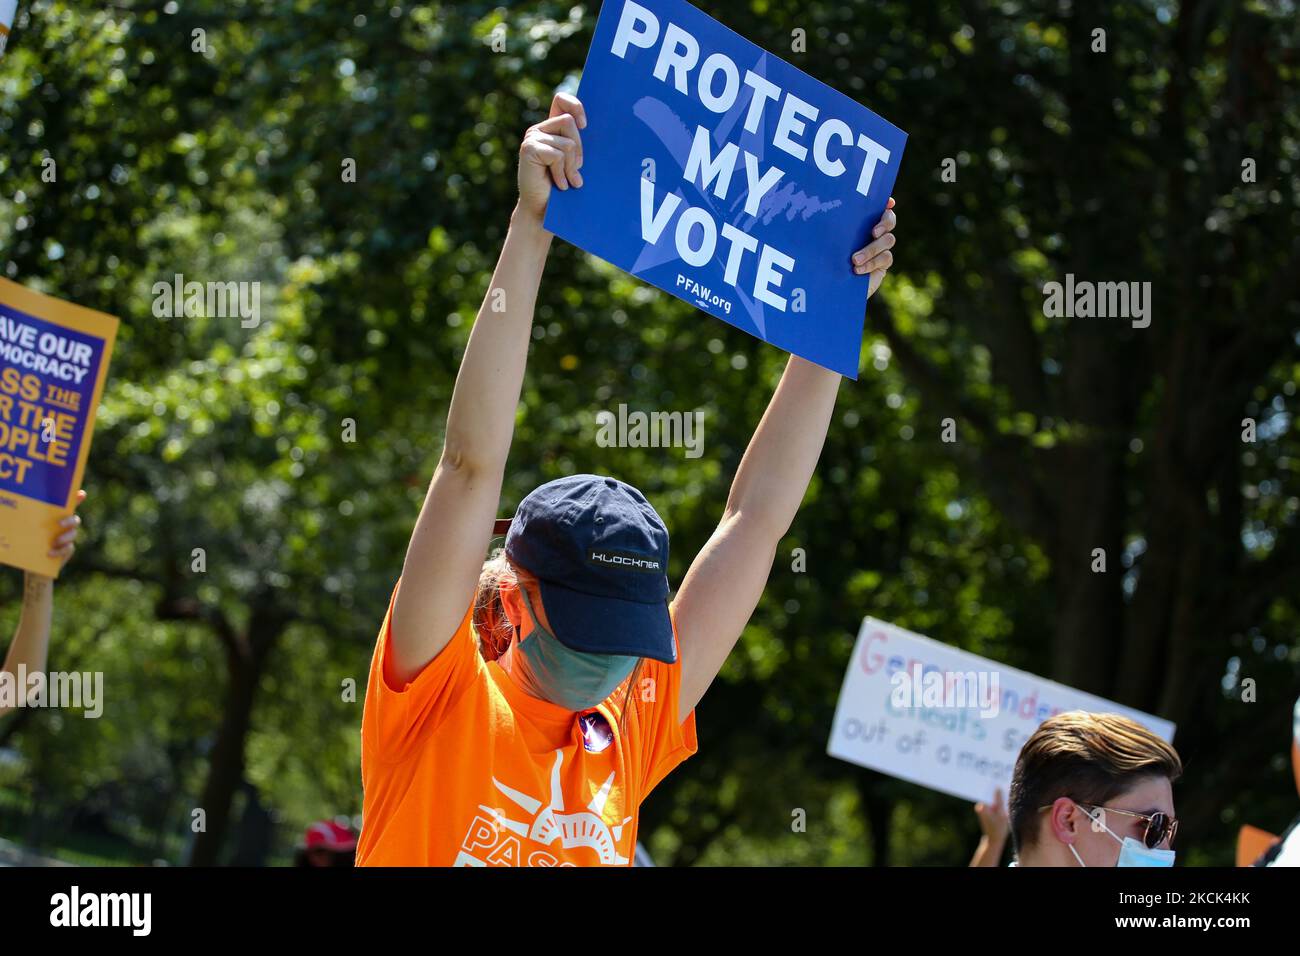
879, 811
246, 658
1089, 618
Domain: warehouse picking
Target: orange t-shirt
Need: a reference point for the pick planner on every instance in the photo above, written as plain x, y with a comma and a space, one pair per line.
463, 768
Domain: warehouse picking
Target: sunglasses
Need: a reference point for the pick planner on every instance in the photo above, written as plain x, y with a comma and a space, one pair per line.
1159, 825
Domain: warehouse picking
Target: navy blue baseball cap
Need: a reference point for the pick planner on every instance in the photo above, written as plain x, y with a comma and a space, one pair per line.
600, 554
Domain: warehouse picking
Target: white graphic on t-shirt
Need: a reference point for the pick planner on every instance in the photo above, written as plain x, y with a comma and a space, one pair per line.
550, 823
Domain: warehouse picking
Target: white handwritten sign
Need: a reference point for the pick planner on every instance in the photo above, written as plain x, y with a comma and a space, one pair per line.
945, 718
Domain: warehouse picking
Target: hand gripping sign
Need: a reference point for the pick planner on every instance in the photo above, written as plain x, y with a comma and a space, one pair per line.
729, 178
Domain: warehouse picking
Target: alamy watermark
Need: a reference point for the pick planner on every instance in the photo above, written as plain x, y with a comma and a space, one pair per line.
215, 300
75, 689
133, 911
958, 690
1085, 299
651, 430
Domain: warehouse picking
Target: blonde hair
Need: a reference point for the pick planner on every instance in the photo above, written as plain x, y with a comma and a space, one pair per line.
491, 624
1090, 758
494, 630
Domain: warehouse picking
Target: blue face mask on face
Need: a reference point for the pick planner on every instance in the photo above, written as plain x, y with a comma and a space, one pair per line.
575, 680
1132, 852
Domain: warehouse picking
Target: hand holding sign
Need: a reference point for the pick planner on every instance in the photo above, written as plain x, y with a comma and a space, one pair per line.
874, 259
551, 152
994, 822
995, 827
64, 544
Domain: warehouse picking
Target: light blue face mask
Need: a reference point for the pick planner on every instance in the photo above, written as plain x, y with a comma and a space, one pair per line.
575, 680
1132, 852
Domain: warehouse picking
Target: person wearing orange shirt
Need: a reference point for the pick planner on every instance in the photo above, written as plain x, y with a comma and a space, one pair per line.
518, 712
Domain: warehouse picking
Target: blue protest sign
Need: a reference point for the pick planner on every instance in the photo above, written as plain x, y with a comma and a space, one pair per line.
727, 177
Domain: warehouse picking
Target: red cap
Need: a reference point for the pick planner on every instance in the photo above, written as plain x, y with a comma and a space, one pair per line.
326, 834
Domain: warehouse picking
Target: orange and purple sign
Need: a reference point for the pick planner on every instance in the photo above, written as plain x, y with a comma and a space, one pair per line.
53, 360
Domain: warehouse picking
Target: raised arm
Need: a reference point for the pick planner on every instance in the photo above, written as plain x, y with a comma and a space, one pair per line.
455, 524
727, 577
31, 644
995, 826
